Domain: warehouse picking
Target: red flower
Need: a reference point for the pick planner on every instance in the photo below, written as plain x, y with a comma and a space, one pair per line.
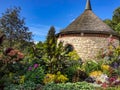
112, 79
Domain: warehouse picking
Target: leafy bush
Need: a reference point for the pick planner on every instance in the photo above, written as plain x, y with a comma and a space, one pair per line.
91, 66
70, 71
58, 78
49, 78
11, 66
109, 88
26, 86
35, 74
95, 74
69, 86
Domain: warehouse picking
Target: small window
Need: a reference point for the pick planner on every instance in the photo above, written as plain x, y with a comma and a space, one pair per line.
69, 48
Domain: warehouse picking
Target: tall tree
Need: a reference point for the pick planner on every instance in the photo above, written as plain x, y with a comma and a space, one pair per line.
14, 28
51, 50
116, 16
114, 23
51, 42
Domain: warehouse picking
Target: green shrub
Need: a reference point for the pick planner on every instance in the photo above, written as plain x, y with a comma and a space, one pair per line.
69, 86
109, 88
26, 86
35, 75
57, 78
91, 65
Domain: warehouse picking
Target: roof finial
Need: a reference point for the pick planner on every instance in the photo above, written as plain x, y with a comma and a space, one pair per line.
88, 5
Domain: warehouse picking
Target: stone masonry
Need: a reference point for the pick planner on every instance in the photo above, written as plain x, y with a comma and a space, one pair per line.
87, 47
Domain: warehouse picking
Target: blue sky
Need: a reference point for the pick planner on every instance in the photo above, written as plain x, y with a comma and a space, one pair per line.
41, 14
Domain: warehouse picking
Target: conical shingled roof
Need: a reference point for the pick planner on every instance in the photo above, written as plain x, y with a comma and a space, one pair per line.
88, 22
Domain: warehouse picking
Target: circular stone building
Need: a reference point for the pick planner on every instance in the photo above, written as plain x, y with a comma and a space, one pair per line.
87, 34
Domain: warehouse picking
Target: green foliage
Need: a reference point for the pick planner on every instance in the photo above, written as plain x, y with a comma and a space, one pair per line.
59, 78
117, 28
73, 55
11, 66
91, 65
56, 78
114, 23
72, 67
109, 88
110, 23
13, 26
49, 78
51, 43
29, 85
35, 75
55, 56
70, 71
116, 16
69, 86
113, 88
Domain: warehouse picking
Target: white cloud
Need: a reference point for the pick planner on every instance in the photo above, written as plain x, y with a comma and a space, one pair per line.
40, 31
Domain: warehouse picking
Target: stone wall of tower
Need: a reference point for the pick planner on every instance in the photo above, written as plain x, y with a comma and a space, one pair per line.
87, 47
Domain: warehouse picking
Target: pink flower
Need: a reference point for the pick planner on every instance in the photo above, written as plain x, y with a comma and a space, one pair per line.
104, 85
111, 40
36, 65
30, 68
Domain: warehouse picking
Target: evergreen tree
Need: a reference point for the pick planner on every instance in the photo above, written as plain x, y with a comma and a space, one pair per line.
51, 43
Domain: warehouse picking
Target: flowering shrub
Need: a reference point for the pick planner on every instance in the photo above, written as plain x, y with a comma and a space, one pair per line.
91, 66
11, 66
12, 55
73, 55
105, 67
95, 74
58, 78
35, 73
36, 65
102, 79
49, 78
111, 54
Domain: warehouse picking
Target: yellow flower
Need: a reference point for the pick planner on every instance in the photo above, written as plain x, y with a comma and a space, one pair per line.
61, 79
22, 79
58, 78
95, 74
105, 67
49, 78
